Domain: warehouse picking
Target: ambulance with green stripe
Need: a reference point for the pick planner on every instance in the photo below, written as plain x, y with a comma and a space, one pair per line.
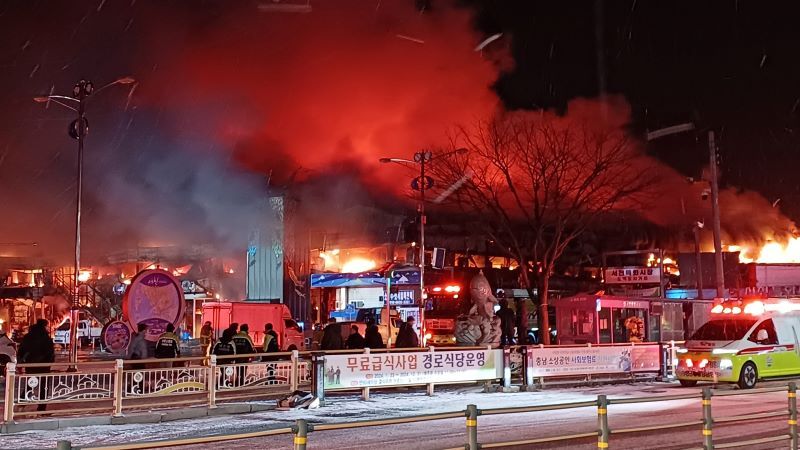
743, 342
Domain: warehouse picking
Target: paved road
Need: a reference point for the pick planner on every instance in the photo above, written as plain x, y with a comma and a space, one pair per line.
504, 428
451, 433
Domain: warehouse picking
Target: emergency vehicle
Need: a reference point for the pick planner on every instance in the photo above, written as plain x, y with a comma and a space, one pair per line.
443, 305
743, 342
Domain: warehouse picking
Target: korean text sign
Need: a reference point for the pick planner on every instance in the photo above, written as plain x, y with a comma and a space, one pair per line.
557, 361
396, 369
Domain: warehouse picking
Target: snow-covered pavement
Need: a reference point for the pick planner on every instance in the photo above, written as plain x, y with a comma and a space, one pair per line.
346, 408
341, 408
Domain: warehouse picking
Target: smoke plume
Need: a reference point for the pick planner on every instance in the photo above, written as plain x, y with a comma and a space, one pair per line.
232, 103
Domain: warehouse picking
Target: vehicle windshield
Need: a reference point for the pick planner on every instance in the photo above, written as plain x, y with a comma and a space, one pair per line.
723, 330
64, 326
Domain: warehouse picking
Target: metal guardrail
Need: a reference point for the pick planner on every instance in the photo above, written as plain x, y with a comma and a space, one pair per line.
302, 428
118, 385
112, 387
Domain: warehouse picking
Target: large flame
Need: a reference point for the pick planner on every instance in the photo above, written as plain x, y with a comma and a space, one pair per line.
357, 265
771, 253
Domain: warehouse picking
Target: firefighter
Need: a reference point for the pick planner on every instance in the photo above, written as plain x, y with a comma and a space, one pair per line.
243, 341
168, 345
224, 347
244, 346
206, 336
270, 339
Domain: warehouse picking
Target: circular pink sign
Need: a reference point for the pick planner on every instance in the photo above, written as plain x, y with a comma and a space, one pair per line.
154, 298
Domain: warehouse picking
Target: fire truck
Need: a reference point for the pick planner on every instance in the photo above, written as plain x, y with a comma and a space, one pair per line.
743, 342
443, 305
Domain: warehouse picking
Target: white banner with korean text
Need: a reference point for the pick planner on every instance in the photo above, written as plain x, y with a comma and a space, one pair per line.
621, 359
408, 368
628, 275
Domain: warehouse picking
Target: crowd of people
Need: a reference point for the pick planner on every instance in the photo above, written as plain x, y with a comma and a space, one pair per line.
331, 337
37, 346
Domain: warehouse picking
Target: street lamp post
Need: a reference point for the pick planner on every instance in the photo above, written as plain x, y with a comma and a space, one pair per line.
78, 130
422, 183
719, 275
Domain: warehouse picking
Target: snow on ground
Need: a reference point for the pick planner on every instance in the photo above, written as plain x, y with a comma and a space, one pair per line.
339, 408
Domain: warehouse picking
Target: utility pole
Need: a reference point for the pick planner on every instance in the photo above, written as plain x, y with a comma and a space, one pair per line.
421, 157
78, 130
422, 183
712, 159
698, 260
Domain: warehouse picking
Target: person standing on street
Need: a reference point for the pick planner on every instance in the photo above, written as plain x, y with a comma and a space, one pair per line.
372, 337
137, 349
243, 342
332, 336
244, 346
407, 336
206, 336
37, 347
507, 323
355, 340
224, 347
270, 340
8, 351
168, 345
270, 345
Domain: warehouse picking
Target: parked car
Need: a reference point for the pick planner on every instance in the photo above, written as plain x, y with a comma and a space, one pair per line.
88, 332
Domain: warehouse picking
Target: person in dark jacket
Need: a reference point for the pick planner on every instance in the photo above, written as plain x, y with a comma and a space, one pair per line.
355, 340
270, 340
372, 337
168, 345
243, 342
407, 336
37, 347
137, 349
507, 321
332, 337
224, 347
244, 346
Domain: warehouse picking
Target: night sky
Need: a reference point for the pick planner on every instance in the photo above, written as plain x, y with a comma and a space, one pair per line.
230, 96
731, 65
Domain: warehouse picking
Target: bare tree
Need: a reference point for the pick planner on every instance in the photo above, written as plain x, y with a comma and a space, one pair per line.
536, 183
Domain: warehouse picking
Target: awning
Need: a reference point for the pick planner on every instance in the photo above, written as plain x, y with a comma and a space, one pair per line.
364, 279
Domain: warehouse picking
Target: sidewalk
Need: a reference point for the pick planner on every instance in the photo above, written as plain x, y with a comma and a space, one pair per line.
254, 416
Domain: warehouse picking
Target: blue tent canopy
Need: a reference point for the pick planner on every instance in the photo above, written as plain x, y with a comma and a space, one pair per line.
364, 279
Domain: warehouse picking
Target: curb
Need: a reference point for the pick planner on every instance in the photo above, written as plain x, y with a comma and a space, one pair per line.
133, 417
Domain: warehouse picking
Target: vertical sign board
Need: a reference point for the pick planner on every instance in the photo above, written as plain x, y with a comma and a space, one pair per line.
265, 254
409, 368
616, 359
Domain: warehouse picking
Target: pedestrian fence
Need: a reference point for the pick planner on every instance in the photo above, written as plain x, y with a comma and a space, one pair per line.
302, 431
114, 387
